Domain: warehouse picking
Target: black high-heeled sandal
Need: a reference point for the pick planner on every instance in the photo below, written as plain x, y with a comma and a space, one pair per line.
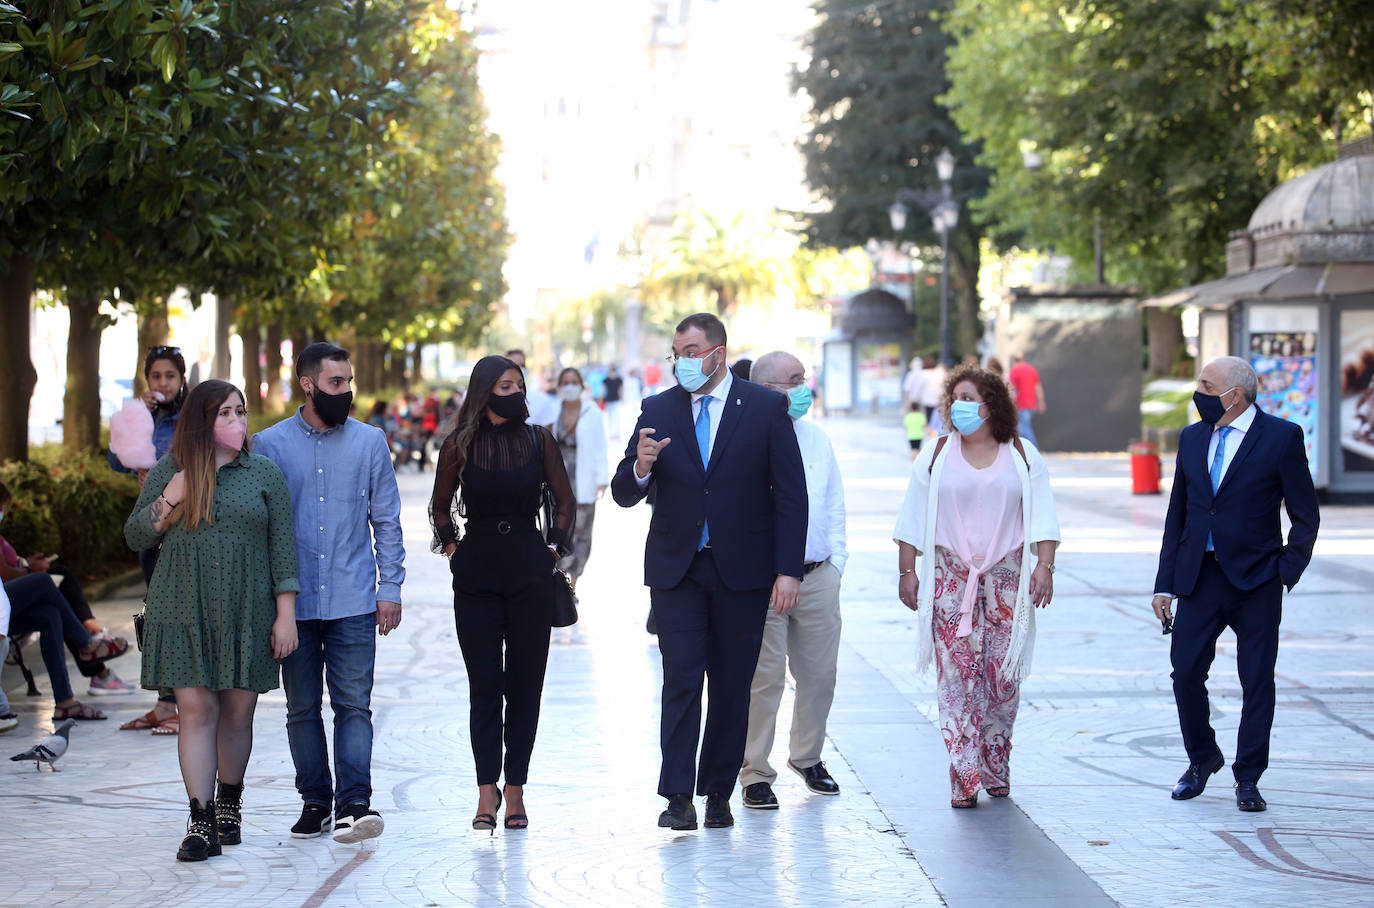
517, 820
487, 821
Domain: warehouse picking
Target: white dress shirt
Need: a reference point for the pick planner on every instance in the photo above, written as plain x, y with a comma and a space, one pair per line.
1238, 427
825, 536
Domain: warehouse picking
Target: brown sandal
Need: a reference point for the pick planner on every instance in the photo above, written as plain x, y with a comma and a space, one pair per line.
142, 723
168, 726
964, 802
77, 711
1000, 792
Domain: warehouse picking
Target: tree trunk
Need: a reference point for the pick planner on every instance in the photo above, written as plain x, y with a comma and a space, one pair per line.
81, 403
299, 341
1164, 331
417, 370
396, 367
251, 335
964, 264
272, 368
152, 332
224, 317
17, 376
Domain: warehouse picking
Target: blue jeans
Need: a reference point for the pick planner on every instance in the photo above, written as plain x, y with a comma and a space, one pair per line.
37, 605
1024, 428
341, 651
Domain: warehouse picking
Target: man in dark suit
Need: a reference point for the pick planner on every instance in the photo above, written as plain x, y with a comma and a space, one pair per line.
727, 537
1224, 559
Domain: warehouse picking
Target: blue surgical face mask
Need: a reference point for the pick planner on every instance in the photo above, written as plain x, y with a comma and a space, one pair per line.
688, 371
798, 401
964, 415
2, 516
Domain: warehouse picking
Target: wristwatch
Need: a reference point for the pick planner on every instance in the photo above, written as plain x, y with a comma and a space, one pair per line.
1048, 565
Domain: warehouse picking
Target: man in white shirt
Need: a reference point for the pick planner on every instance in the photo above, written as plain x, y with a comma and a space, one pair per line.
543, 406
808, 637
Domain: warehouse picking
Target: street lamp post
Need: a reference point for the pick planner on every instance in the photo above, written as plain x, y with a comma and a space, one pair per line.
945, 218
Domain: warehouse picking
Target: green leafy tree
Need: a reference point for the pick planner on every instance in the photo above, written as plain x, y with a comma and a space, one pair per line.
708, 257
875, 81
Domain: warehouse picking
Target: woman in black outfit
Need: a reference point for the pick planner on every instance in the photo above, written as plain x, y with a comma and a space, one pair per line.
491, 470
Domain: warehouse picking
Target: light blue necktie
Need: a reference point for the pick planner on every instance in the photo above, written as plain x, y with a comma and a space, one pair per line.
1218, 460
703, 427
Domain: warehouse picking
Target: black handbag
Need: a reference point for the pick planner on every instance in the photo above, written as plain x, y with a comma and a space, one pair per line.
564, 599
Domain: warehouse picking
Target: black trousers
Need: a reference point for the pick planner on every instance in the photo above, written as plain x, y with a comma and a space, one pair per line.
502, 605
706, 630
1254, 615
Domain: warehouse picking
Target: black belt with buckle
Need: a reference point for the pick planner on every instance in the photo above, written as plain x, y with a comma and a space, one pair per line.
811, 566
500, 526
1212, 555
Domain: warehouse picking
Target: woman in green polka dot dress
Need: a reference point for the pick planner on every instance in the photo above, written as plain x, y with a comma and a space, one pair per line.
222, 602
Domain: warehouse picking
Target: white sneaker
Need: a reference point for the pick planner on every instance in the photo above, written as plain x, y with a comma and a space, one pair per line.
110, 684
9, 722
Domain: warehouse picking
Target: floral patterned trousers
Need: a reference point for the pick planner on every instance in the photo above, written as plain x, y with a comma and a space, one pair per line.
977, 704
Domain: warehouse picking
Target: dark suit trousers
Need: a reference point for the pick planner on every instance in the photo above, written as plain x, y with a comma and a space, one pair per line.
1254, 615
706, 631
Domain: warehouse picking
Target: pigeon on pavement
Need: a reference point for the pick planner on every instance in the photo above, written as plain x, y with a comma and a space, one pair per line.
49, 749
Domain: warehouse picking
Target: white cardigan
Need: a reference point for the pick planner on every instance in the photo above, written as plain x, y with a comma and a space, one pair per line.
916, 527
592, 467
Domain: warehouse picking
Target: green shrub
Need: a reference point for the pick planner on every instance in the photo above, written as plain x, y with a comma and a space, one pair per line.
71, 504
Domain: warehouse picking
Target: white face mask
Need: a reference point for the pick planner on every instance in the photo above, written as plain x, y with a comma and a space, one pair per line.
570, 393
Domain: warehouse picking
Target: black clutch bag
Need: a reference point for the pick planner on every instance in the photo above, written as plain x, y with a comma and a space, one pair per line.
564, 601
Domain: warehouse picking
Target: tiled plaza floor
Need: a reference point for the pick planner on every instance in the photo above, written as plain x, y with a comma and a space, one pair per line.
1089, 821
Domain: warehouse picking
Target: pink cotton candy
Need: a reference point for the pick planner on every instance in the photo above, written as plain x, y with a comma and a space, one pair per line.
131, 436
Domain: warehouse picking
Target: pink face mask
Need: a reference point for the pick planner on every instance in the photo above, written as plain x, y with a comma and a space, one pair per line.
230, 437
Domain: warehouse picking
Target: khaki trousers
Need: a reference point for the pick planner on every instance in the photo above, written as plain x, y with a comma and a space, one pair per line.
807, 639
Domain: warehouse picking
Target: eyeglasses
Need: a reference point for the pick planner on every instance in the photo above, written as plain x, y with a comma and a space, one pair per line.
159, 351
786, 385
673, 357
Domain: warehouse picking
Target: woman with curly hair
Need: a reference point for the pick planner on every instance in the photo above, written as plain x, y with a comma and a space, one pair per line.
978, 508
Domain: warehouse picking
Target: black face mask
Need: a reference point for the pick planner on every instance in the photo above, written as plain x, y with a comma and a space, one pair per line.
332, 409
1209, 406
512, 406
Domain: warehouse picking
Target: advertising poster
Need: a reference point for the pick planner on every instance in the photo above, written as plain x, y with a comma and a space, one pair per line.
1357, 391
880, 375
1286, 363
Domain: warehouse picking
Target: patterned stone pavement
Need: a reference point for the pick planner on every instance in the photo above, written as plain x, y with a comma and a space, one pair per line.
1089, 820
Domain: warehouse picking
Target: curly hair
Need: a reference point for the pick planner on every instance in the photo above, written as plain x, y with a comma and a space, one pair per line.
996, 393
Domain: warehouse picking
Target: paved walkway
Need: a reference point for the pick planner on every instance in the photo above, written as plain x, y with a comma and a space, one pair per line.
1089, 821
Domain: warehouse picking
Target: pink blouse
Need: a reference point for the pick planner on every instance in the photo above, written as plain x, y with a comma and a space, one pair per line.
978, 516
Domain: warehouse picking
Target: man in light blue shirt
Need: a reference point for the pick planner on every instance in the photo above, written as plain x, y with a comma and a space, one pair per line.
348, 543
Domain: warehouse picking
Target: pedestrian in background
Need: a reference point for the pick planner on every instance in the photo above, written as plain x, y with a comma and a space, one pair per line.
221, 605
1030, 394
612, 392
806, 639
491, 471
347, 525
932, 387
915, 424
913, 383
543, 406
726, 539
1224, 559
978, 508
164, 369
581, 436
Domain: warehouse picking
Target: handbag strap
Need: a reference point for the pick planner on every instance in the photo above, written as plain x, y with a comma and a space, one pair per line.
545, 494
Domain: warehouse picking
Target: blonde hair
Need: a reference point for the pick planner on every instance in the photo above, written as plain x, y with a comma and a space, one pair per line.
193, 449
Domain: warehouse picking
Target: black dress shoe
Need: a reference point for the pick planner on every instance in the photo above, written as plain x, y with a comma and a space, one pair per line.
718, 814
680, 813
816, 778
1248, 797
760, 796
1194, 780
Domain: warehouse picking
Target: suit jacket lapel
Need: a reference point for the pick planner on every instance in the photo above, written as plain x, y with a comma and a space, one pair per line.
1247, 444
729, 421
686, 430
1202, 462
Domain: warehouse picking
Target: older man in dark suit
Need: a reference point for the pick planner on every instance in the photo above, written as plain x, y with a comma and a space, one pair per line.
1223, 557
727, 537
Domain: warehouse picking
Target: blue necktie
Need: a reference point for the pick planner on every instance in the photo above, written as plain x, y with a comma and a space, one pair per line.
1218, 460
703, 427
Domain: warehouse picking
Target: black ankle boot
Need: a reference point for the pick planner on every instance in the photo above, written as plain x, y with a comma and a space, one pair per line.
202, 835
229, 813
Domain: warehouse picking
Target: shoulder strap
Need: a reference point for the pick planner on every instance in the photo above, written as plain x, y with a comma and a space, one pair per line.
1020, 450
939, 446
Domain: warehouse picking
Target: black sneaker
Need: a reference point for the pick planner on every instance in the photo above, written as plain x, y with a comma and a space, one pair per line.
357, 822
315, 820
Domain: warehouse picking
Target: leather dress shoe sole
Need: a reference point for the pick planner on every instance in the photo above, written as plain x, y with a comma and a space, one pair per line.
1187, 788
759, 796
823, 785
1249, 800
680, 823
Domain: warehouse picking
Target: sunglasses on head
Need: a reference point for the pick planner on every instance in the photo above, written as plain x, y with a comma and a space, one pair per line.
159, 351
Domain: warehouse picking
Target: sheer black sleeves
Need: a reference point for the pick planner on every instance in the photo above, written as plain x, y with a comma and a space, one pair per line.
444, 503
560, 534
